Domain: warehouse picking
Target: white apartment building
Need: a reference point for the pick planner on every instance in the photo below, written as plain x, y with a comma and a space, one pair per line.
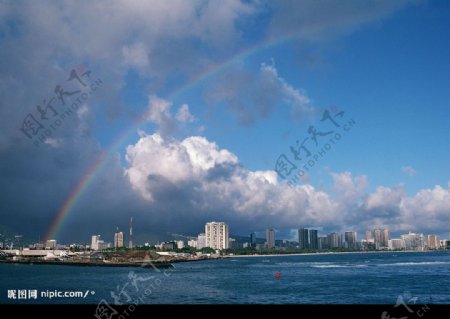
216, 235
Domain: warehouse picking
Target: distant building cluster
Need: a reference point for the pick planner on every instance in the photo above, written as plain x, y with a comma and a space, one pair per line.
376, 239
380, 239
216, 236
97, 243
119, 240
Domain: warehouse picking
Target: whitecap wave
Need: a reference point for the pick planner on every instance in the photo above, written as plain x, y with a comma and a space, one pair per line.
418, 263
339, 266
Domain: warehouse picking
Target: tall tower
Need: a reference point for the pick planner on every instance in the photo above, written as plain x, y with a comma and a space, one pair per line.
270, 238
313, 239
303, 235
385, 237
116, 238
369, 235
130, 244
253, 239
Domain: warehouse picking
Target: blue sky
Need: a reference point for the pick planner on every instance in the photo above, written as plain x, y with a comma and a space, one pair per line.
211, 145
391, 76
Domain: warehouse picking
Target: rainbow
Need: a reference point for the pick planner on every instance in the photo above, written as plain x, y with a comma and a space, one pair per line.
99, 163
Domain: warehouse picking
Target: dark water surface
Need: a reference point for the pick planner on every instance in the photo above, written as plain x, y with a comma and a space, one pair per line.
367, 278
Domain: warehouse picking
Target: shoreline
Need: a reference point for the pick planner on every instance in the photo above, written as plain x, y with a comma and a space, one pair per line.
144, 264
333, 253
170, 264
155, 264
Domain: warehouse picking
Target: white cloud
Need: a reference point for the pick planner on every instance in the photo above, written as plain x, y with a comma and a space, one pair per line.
205, 155
299, 102
54, 142
212, 180
348, 187
409, 170
183, 115
429, 203
385, 199
82, 111
159, 112
427, 211
136, 55
213, 25
175, 161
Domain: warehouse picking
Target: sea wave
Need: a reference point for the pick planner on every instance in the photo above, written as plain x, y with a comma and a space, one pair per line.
319, 265
302, 263
418, 263
339, 266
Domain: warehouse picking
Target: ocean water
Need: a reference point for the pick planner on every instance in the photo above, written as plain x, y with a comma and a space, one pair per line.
358, 278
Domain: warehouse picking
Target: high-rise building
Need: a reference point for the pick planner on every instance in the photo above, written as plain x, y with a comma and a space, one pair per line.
201, 241
180, 244
216, 235
94, 242
350, 239
368, 237
433, 242
377, 238
130, 243
313, 239
396, 244
253, 240
413, 241
303, 238
385, 236
232, 243
118, 239
102, 245
323, 243
270, 238
192, 243
335, 240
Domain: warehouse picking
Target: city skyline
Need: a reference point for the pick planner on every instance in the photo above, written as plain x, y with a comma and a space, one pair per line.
210, 115
308, 235
217, 237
